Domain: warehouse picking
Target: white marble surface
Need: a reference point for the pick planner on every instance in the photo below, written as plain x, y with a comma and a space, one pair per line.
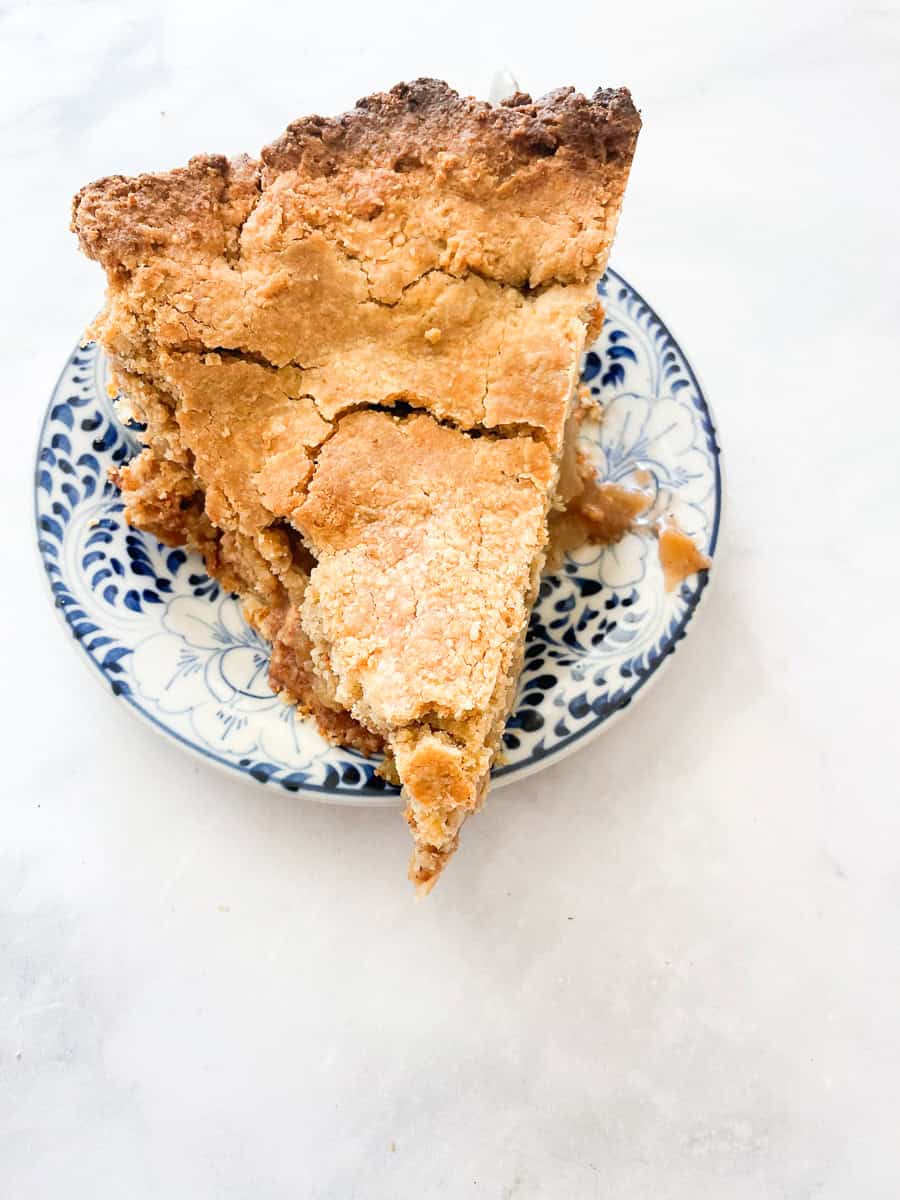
669, 968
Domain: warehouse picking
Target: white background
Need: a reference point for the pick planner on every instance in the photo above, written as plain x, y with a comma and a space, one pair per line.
668, 967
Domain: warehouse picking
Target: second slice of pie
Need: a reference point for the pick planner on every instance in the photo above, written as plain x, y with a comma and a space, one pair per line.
356, 362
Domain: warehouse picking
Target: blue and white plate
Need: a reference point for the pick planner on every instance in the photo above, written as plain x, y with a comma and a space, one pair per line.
175, 649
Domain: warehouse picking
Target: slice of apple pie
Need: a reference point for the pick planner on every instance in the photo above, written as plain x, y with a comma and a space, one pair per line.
356, 361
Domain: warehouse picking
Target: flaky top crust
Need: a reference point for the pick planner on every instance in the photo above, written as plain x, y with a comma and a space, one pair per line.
526, 192
123, 221
418, 596
401, 251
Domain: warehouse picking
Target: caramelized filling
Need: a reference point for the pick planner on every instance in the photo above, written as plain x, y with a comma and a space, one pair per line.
601, 513
678, 555
291, 671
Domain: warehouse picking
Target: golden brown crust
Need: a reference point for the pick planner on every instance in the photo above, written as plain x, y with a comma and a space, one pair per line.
387, 254
498, 176
424, 539
121, 221
507, 161
252, 433
426, 249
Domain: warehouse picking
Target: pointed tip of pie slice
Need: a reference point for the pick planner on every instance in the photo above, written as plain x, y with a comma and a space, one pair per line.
425, 866
443, 783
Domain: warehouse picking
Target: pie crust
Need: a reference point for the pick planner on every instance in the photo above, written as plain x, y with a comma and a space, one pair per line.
355, 359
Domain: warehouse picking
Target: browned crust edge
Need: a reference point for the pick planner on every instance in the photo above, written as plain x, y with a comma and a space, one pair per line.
118, 218
413, 122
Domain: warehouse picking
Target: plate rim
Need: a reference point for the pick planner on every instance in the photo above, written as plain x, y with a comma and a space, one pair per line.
500, 777
575, 741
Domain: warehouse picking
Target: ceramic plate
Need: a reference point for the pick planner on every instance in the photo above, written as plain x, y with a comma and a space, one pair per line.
176, 651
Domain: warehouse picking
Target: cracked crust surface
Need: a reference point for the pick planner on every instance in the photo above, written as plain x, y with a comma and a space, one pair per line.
426, 250
419, 602
420, 582
384, 253
525, 193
